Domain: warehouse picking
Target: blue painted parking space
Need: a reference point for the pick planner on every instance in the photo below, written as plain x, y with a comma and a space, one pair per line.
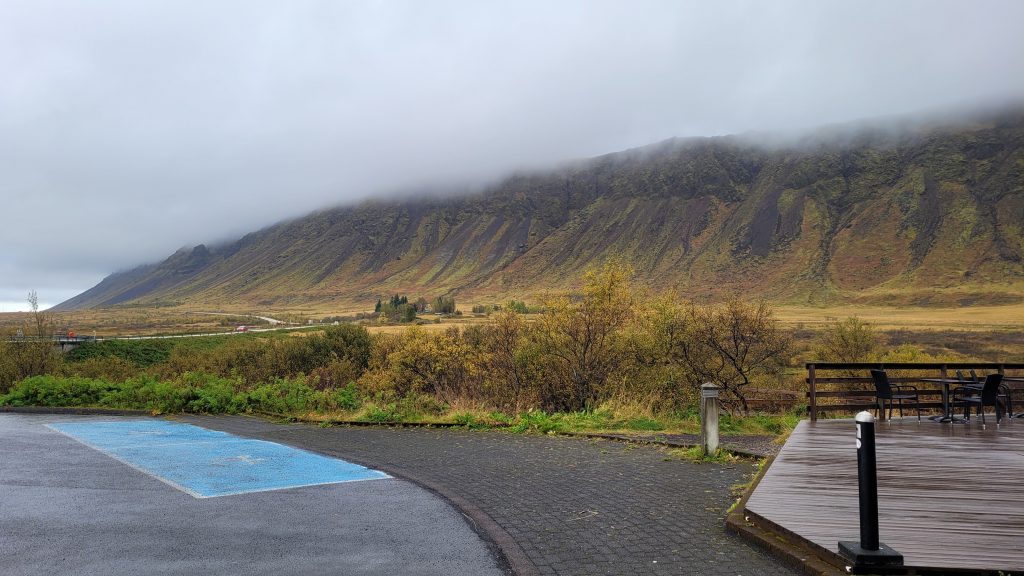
207, 463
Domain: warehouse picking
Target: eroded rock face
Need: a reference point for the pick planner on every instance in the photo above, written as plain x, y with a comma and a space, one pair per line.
848, 214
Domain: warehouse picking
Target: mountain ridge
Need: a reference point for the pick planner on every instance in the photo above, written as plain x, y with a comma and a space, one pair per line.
913, 215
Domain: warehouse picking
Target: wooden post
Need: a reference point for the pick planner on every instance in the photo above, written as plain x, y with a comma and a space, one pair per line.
709, 418
945, 390
812, 390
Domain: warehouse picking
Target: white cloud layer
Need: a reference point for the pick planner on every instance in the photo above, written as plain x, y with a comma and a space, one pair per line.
129, 129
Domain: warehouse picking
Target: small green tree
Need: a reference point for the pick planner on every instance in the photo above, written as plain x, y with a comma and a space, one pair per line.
398, 310
518, 306
407, 313
444, 304
851, 340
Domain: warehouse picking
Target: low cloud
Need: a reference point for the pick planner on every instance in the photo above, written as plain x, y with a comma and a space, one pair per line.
129, 129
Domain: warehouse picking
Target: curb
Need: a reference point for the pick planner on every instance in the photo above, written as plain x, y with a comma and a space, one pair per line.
506, 548
670, 443
82, 411
736, 451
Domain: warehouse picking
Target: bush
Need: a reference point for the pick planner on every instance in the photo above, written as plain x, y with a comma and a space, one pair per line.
536, 421
19, 360
147, 393
192, 392
140, 352
346, 398
285, 397
215, 396
851, 340
517, 306
387, 415
109, 368
57, 391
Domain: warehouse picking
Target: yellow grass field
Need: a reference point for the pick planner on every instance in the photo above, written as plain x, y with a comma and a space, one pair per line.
150, 321
974, 318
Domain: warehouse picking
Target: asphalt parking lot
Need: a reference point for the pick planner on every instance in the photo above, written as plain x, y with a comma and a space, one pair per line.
556, 506
111, 507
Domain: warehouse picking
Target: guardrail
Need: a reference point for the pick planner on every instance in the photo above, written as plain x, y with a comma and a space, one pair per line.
854, 389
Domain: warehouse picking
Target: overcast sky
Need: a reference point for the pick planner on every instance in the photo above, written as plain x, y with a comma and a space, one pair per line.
130, 129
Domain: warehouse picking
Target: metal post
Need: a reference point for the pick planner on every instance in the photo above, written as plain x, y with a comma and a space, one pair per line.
867, 482
869, 552
709, 418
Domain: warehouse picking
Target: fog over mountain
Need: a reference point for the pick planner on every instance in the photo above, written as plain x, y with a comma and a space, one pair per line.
130, 129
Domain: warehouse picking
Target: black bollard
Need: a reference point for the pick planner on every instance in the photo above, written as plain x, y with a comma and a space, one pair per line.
867, 483
869, 553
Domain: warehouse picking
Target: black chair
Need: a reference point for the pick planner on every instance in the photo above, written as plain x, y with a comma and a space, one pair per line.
989, 396
975, 384
966, 387
1004, 393
885, 390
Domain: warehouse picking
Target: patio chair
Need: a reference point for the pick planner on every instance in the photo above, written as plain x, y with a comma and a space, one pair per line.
988, 396
967, 387
1004, 393
885, 390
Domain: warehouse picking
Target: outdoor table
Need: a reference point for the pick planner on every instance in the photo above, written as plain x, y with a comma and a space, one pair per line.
947, 415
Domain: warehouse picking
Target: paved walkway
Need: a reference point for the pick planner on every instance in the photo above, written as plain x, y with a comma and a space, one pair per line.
555, 505
749, 445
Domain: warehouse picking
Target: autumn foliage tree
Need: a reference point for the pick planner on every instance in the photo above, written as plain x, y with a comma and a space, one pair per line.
850, 340
582, 339
731, 345
510, 359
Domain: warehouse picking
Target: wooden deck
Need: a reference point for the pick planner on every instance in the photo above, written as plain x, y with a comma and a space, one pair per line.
951, 496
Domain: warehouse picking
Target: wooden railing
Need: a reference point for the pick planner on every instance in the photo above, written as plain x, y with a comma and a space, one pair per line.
853, 388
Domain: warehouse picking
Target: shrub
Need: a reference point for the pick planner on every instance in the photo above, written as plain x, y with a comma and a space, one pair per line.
346, 398
284, 396
851, 340
386, 415
536, 421
517, 306
19, 360
140, 352
57, 391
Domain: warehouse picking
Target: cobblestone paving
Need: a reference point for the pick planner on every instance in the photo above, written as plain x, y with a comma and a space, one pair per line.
750, 445
572, 506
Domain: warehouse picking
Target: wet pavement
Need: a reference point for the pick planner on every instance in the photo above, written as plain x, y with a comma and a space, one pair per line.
555, 505
69, 509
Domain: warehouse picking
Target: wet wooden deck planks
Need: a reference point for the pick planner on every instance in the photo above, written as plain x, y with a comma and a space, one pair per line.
950, 495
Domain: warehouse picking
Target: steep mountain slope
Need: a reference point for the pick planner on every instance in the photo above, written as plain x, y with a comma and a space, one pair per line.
920, 214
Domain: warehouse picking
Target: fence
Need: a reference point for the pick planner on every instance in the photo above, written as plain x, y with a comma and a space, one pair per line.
854, 390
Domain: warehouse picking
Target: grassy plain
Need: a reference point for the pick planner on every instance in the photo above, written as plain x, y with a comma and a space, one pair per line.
990, 333
155, 321
973, 318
